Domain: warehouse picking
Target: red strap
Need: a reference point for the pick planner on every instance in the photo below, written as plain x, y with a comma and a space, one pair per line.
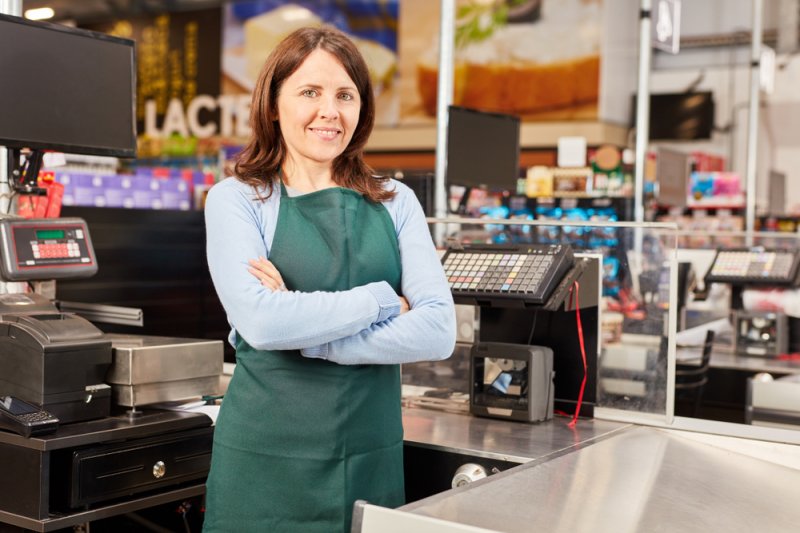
577, 288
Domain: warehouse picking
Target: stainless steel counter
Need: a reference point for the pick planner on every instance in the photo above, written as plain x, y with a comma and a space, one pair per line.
723, 357
635, 479
500, 439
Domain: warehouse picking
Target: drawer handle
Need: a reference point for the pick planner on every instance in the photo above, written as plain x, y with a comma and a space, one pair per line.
159, 469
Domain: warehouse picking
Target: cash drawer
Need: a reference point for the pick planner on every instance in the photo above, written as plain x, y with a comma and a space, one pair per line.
132, 467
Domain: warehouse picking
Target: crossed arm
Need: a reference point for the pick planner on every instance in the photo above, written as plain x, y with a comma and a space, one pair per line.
366, 324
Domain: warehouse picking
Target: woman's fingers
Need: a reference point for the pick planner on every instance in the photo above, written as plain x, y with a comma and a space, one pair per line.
266, 273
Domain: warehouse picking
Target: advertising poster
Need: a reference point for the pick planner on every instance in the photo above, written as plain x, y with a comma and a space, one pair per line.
538, 59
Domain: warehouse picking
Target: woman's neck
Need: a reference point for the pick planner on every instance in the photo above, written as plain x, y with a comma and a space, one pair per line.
307, 179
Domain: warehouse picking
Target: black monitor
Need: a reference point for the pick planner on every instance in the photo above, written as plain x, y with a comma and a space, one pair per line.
482, 149
66, 89
683, 116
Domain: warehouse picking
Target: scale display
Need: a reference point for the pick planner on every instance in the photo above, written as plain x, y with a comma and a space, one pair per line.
755, 266
528, 272
47, 248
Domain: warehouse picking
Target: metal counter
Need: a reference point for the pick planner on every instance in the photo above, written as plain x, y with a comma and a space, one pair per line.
637, 479
723, 357
500, 439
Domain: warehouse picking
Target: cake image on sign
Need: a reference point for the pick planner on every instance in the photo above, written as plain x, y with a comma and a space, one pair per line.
520, 56
263, 32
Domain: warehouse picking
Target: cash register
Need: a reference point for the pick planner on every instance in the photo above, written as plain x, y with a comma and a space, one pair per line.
55, 360
66, 452
511, 380
757, 332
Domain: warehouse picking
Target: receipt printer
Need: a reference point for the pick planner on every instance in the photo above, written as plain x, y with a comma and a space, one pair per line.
512, 381
55, 360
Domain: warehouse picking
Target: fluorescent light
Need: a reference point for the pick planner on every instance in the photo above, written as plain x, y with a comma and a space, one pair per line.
39, 13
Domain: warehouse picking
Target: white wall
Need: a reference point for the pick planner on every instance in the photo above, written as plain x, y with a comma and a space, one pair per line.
725, 71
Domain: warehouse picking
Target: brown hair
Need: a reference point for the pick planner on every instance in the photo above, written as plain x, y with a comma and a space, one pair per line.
259, 164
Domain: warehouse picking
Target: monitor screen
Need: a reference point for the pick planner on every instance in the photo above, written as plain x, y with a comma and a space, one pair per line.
679, 116
482, 149
66, 89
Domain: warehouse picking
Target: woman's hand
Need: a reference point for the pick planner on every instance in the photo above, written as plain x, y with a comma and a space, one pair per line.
404, 307
267, 274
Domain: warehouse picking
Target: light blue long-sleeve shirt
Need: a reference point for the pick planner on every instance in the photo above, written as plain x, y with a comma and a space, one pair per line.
357, 326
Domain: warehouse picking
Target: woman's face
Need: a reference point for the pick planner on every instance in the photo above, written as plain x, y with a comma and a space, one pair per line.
318, 109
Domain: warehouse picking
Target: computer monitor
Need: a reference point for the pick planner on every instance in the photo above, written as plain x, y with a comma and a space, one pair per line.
482, 149
684, 116
66, 89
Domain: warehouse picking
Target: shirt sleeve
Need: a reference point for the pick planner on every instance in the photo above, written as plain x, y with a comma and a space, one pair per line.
428, 331
240, 227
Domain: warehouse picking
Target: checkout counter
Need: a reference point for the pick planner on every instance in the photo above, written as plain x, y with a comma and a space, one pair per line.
91, 446
630, 468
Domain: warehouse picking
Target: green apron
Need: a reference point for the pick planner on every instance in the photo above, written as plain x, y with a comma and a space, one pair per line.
299, 440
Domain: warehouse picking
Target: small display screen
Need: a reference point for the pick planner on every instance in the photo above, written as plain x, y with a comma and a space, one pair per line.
17, 407
43, 234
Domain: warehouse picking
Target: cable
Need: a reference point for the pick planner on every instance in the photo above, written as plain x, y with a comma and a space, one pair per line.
577, 288
533, 327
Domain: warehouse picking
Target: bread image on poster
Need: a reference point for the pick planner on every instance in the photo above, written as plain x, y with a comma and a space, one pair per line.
520, 56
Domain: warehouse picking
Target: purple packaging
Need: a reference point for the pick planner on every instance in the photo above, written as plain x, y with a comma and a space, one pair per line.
146, 193
119, 191
176, 194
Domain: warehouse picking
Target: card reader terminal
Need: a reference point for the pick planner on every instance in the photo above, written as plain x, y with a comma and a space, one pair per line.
24, 418
45, 248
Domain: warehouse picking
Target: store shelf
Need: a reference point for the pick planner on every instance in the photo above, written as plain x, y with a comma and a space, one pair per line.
532, 135
583, 195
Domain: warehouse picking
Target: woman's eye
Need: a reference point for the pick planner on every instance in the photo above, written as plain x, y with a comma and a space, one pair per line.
310, 93
346, 97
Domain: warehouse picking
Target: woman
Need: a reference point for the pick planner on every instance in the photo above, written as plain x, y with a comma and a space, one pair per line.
311, 420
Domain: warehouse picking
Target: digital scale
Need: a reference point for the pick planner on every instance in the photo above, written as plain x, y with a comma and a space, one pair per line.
46, 248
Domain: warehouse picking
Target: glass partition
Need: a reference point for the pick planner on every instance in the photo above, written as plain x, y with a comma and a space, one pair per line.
648, 325
627, 326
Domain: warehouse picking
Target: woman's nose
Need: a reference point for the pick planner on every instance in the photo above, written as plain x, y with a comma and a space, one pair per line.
329, 108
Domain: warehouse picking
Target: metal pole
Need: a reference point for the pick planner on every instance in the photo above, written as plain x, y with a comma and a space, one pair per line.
752, 120
444, 98
7, 7
642, 107
11, 7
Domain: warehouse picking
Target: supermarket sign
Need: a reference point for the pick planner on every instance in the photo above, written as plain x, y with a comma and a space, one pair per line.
188, 120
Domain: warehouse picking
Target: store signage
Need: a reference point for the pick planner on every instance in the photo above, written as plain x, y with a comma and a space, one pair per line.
666, 26
233, 110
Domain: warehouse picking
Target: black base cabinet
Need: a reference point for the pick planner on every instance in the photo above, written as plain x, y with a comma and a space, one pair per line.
92, 470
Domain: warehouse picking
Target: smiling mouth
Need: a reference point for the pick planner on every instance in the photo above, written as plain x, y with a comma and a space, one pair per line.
326, 133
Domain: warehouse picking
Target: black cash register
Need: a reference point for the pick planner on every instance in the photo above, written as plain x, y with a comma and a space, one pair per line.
57, 361
756, 333
511, 381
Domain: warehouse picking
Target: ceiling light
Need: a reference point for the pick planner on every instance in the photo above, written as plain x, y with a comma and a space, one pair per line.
39, 13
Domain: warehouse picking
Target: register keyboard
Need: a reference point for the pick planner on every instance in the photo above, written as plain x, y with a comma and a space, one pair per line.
527, 272
755, 266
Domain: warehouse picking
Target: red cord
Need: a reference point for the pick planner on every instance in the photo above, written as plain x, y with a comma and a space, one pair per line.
583, 353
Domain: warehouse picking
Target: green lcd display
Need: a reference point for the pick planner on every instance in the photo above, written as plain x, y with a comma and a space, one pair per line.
44, 234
